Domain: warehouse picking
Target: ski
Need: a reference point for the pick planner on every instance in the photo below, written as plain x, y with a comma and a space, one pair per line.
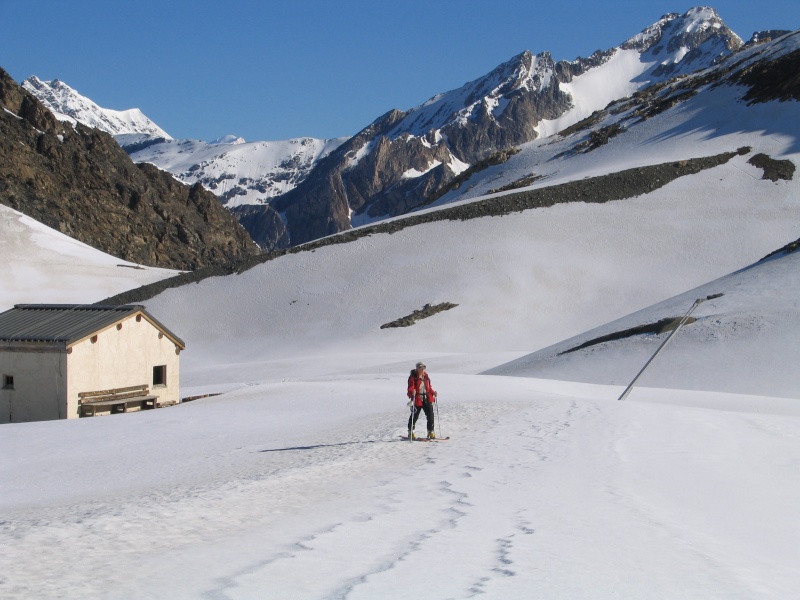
424, 439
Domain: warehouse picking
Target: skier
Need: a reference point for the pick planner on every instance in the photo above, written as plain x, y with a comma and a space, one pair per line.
422, 397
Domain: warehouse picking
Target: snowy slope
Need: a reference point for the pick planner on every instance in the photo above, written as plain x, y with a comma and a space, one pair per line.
41, 265
523, 281
716, 119
68, 105
715, 353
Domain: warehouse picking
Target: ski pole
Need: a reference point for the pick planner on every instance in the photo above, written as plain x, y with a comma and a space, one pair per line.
681, 323
438, 420
411, 422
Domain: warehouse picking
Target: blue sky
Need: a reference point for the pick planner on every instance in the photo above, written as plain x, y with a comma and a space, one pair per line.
271, 70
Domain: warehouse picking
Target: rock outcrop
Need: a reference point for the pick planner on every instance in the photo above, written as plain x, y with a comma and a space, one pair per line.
79, 181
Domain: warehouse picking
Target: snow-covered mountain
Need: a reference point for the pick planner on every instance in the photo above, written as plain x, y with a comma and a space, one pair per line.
724, 100
238, 172
676, 44
407, 159
68, 105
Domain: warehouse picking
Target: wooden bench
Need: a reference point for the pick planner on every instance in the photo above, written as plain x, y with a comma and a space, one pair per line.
118, 399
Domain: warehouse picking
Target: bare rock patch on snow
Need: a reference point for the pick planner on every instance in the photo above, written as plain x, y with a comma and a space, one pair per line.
773, 169
657, 328
426, 311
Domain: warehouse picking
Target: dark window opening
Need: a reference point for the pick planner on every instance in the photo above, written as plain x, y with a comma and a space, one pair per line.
160, 375
8, 382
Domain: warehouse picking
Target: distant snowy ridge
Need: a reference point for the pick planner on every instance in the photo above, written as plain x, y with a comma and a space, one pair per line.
68, 105
238, 172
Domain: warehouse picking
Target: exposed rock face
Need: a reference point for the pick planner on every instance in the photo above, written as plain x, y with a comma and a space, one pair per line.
79, 181
773, 80
684, 43
67, 105
774, 170
264, 225
404, 159
426, 311
762, 37
662, 326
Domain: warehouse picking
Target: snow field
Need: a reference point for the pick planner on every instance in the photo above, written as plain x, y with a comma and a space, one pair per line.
555, 494
612, 259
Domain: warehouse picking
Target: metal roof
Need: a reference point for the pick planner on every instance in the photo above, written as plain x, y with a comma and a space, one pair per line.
67, 323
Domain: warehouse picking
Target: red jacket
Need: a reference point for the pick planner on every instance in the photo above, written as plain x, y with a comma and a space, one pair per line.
413, 387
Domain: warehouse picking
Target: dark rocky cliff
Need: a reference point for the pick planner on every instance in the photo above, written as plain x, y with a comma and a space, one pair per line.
79, 181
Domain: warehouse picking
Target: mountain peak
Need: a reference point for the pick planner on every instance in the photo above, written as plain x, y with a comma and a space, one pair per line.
229, 139
675, 38
68, 105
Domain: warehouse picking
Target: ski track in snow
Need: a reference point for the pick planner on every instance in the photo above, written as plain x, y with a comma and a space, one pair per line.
131, 529
484, 513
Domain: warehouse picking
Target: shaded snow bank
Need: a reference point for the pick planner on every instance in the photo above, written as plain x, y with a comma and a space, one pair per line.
746, 342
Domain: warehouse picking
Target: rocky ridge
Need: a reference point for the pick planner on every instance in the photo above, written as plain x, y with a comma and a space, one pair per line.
77, 180
68, 105
403, 159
